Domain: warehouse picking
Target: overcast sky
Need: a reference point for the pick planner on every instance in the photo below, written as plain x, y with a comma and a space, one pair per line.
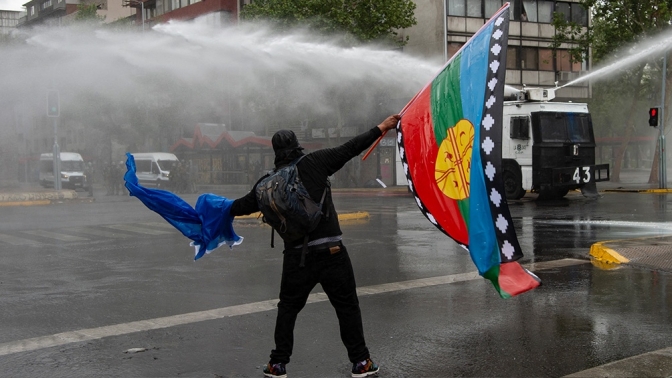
12, 4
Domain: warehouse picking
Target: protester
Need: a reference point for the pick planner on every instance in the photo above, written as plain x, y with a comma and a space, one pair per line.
327, 261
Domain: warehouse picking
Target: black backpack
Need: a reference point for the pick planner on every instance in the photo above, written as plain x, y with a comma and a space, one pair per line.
286, 205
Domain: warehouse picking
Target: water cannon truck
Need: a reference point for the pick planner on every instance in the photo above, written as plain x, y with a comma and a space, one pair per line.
548, 147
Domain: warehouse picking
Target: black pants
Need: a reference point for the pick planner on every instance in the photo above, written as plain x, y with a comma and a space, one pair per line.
332, 271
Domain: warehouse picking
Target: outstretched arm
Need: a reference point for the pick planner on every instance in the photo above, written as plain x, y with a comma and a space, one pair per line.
333, 159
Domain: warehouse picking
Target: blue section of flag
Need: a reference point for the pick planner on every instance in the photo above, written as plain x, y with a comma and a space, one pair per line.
473, 75
208, 225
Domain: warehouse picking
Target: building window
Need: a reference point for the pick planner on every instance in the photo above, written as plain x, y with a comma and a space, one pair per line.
512, 58
453, 48
546, 60
562, 60
579, 14
492, 6
563, 10
529, 12
456, 8
521, 10
514, 10
474, 8
545, 11
529, 58
541, 59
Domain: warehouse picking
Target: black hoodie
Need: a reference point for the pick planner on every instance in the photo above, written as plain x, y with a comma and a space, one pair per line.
314, 171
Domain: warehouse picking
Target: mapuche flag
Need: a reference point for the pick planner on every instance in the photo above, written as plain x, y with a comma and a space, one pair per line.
450, 138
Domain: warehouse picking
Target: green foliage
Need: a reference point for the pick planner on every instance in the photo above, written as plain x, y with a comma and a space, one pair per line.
362, 20
88, 13
577, 36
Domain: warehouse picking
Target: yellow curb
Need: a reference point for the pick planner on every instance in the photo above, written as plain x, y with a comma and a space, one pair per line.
604, 257
250, 216
639, 190
353, 216
26, 203
341, 217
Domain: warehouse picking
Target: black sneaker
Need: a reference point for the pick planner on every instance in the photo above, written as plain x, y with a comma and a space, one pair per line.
364, 368
276, 370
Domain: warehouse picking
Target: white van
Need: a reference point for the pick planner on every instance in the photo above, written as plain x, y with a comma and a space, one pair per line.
72, 171
153, 168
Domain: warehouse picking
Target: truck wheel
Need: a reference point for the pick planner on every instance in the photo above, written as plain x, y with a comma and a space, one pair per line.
550, 193
513, 182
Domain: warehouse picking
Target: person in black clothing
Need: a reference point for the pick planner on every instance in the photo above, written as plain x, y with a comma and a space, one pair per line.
327, 261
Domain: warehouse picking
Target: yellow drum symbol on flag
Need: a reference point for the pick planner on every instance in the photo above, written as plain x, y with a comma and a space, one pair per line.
453, 163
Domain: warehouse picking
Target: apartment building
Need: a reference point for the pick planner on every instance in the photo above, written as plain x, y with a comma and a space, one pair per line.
60, 12
445, 25
9, 19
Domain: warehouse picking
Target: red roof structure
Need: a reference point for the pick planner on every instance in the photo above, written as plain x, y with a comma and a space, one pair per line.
212, 136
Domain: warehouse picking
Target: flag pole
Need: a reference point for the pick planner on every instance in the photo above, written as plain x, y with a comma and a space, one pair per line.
376, 143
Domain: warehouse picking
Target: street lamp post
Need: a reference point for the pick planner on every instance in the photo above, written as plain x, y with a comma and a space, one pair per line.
142, 9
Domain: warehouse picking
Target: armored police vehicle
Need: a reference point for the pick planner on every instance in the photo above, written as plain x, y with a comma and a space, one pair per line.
548, 147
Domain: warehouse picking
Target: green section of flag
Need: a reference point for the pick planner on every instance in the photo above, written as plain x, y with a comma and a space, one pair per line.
446, 100
464, 210
446, 103
493, 275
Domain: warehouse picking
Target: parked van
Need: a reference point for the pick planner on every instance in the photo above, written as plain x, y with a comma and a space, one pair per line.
153, 168
72, 171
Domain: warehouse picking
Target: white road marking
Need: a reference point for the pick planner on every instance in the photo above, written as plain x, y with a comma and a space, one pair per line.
97, 232
82, 335
14, 240
55, 235
136, 229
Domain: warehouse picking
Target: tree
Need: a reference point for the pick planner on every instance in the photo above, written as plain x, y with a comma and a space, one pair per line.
88, 12
616, 25
361, 20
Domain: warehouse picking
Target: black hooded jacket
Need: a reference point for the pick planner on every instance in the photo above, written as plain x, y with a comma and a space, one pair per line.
314, 171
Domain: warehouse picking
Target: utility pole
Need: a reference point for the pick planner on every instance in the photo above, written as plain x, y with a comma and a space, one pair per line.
662, 166
53, 112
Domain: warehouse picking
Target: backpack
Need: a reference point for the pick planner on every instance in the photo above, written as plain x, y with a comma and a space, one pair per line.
286, 205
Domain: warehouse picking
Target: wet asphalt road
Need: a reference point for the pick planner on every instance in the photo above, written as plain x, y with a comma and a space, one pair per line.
103, 265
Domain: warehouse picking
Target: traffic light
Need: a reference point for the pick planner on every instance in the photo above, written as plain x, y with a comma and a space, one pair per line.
53, 108
653, 117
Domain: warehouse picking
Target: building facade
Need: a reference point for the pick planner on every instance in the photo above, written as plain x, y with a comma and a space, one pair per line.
9, 20
445, 25
60, 12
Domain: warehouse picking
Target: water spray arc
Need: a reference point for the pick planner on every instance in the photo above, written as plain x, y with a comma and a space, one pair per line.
653, 48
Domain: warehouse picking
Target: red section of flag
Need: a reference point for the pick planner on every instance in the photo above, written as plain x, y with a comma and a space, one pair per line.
421, 149
514, 279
